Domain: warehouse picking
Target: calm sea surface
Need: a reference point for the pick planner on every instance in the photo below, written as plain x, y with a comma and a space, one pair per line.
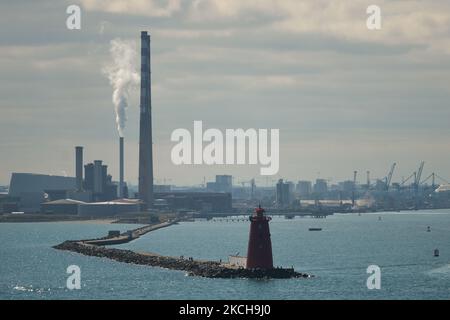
338, 256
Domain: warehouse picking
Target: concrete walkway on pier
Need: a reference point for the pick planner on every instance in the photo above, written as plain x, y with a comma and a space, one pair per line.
129, 235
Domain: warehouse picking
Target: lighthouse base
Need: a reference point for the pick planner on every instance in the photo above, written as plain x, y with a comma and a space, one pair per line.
226, 272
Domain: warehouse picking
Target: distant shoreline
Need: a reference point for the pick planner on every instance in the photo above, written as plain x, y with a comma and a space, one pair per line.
140, 218
23, 218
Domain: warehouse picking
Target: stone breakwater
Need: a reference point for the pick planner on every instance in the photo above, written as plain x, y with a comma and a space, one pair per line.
209, 269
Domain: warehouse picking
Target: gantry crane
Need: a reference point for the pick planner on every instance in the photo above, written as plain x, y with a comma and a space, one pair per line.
433, 177
418, 175
389, 176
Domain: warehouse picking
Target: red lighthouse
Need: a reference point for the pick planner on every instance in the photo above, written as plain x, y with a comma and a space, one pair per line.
259, 254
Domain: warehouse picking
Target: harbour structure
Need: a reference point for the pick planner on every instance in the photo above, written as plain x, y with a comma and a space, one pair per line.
203, 268
145, 134
259, 253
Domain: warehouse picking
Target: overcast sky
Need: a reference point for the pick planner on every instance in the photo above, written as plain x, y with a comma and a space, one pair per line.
344, 98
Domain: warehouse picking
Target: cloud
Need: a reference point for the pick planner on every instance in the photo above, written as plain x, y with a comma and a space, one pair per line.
310, 68
150, 8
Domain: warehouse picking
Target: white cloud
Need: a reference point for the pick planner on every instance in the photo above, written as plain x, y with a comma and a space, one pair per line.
149, 8
310, 68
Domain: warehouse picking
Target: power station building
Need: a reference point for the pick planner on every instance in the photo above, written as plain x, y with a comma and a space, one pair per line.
30, 188
99, 182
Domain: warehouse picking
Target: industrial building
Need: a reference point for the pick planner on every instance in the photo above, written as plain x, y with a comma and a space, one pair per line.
61, 206
99, 182
199, 201
30, 188
109, 208
223, 183
91, 209
8, 204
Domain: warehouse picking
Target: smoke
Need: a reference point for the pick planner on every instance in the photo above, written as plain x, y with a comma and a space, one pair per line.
123, 77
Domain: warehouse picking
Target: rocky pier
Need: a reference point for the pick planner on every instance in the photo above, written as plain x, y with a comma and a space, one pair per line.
209, 269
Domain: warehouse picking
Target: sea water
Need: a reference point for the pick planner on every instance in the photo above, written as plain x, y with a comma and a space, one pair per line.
338, 257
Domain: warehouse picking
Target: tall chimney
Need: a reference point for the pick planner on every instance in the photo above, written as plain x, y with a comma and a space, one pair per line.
121, 167
79, 167
145, 134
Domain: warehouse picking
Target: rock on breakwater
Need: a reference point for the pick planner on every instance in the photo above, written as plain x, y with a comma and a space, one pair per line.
209, 269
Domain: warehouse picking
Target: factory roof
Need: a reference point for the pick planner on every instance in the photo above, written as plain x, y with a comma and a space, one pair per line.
114, 202
33, 182
65, 201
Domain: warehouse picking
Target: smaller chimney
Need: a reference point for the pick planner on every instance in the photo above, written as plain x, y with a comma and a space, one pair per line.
79, 167
121, 185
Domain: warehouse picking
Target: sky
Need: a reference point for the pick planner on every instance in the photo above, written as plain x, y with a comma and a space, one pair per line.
344, 97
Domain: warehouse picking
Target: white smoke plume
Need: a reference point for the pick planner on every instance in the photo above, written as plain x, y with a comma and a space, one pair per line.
123, 76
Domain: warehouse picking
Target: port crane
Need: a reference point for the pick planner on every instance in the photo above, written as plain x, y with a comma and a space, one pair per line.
389, 176
417, 175
433, 177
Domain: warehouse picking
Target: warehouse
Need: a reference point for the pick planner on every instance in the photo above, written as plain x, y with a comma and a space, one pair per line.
109, 208
61, 206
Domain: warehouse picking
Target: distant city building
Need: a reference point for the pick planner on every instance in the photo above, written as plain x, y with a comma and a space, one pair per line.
291, 187
162, 188
380, 185
223, 183
304, 188
212, 202
321, 186
211, 186
346, 186
283, 194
